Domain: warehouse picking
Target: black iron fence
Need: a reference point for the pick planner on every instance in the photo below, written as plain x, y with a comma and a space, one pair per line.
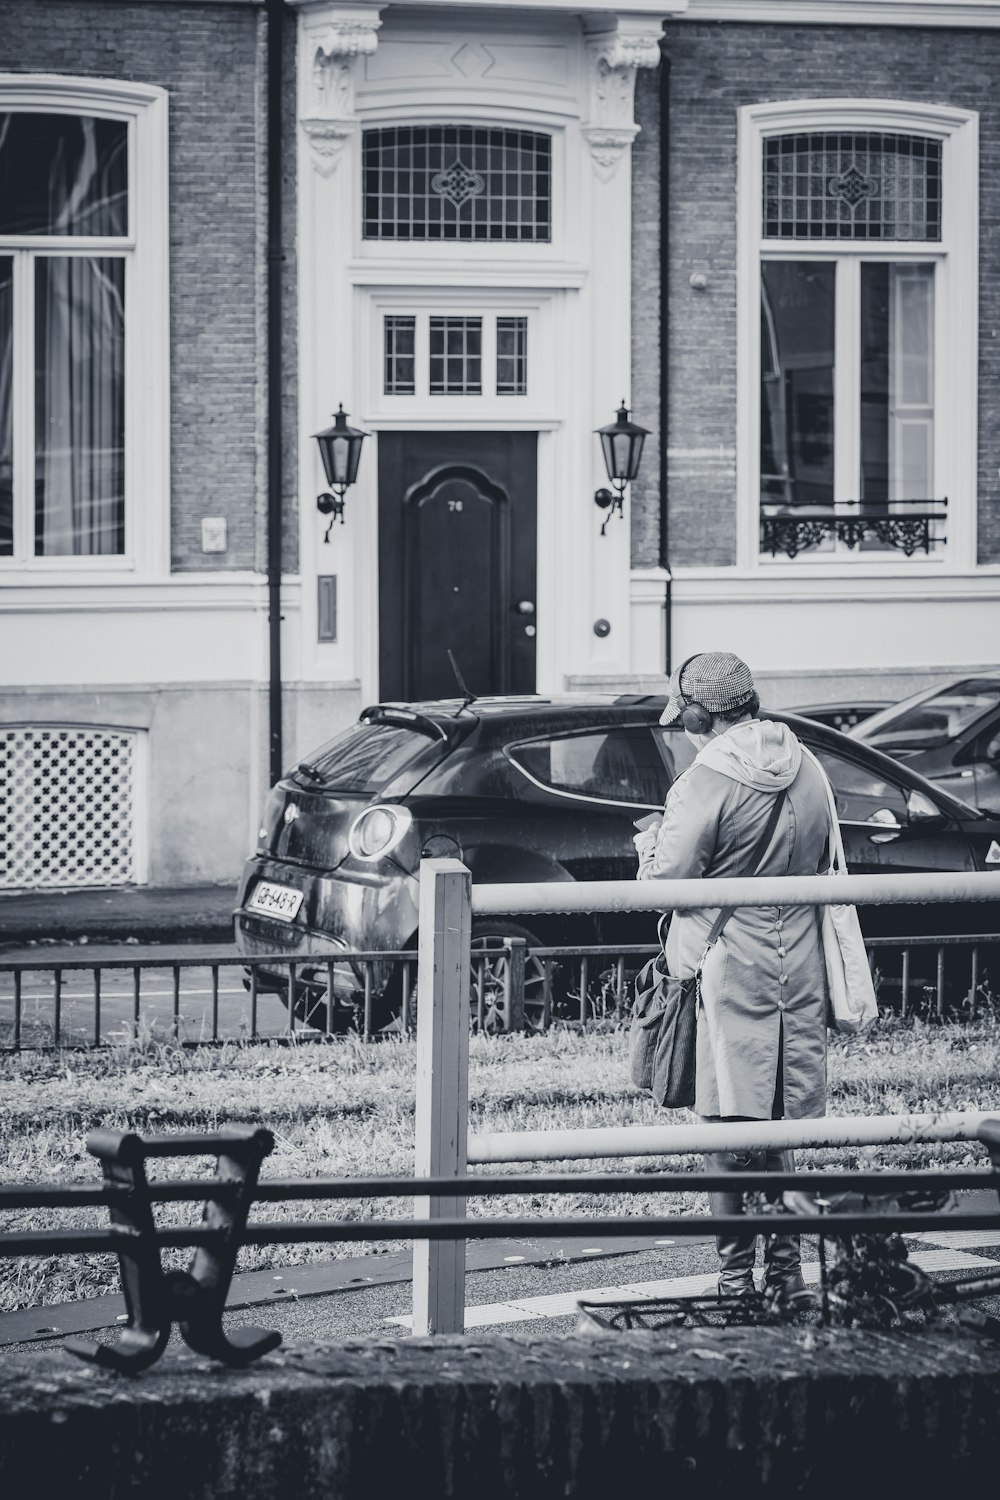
198, 1001
854, 1211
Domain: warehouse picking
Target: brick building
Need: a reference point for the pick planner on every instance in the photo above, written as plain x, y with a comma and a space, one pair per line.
495, 222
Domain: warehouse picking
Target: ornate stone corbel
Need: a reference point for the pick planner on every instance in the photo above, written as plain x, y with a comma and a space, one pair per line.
614, 54
332, 38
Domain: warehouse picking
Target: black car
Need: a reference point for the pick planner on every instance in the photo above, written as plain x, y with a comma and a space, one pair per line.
949, 733
540, 789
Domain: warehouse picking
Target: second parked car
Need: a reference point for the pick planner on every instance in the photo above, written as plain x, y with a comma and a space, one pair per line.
949, 733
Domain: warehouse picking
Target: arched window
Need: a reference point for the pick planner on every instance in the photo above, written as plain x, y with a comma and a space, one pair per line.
858, 330
83, 395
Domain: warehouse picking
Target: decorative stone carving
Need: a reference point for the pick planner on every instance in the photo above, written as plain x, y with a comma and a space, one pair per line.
614, 54
331, 40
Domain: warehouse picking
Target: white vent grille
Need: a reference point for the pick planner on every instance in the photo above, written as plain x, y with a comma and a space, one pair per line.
67, 806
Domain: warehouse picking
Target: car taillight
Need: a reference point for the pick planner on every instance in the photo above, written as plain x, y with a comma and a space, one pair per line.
378, 830
274, 808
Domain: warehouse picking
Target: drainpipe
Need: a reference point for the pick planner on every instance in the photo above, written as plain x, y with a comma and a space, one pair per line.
664, 345
275, 9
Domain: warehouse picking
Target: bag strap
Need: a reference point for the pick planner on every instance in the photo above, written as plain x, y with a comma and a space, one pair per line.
838, 859
756, 860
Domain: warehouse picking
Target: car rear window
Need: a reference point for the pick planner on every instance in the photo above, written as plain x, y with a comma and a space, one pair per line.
369, 757
612, 765
936, 720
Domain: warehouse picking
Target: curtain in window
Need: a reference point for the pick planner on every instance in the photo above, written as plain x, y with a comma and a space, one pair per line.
79, 405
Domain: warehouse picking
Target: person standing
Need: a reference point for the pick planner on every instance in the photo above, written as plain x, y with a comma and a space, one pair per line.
761, 1024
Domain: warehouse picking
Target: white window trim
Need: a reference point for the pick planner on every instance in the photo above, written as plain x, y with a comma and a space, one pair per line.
147, 359
956, 319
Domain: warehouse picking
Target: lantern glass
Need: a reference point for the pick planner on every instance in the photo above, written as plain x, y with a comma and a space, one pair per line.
340, 449
622, 443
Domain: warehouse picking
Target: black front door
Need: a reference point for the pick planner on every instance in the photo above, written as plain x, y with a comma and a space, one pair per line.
456, 562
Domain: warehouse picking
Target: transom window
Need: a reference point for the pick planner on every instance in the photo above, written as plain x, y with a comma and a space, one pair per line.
456, 182
450, 355
62, 334
861, 258
862, 185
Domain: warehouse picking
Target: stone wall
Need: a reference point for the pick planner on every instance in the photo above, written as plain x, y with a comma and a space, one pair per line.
689, 1415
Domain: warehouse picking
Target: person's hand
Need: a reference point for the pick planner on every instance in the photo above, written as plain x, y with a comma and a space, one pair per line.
645, 843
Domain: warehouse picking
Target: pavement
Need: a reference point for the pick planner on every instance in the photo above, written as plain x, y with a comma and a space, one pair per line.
33, 920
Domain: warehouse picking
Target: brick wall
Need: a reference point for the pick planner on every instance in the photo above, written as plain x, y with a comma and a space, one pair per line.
645, 496
716, 69
210, 58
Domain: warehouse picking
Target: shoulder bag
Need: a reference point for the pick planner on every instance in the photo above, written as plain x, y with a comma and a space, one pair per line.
664, 1011
853, 1006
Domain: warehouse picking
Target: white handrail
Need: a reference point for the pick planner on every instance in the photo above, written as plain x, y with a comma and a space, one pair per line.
750, 1135
752, 890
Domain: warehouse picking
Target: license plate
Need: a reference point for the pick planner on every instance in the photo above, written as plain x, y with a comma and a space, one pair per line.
272, 900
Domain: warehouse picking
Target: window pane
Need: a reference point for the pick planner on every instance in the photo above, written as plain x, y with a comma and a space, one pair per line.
512, 356
855, 186
400, 367
796, 391
6, 406
79, 406
897, 383
616, 765
456, 182
456, 348
63, 174
858, 791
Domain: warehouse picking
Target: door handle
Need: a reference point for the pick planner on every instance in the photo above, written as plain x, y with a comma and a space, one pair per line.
525, 607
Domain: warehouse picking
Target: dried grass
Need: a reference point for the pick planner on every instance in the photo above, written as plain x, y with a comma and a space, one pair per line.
346, 1109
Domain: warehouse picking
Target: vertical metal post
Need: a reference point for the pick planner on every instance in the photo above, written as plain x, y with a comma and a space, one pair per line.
442, 1106
584, 987
97, 1007
136, 1001
215, 1002
904, 983
176, 988
973, 980
57, 1006
940, 984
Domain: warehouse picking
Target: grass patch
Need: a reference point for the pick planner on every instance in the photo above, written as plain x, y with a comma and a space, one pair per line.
346, 1109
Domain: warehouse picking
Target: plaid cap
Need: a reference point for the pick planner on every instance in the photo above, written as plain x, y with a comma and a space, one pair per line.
718, 680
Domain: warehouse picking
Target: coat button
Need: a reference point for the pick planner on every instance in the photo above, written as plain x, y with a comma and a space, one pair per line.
782, 978
779, 924
781, 952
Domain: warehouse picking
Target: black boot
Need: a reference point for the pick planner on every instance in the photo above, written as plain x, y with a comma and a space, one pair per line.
782, 1253
737, 1252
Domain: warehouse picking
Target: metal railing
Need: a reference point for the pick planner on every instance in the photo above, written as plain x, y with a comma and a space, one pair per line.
195, 1299
515, 986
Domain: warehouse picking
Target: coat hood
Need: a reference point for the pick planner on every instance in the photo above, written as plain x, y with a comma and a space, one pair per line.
756, 752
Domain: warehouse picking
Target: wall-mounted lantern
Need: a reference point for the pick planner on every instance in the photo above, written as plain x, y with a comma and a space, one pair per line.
621, 442
340, 449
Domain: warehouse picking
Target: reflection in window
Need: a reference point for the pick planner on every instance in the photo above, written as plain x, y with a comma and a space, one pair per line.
859, 791
63, 174
796, 392
615, 765
897, 382
79, 405
456, 356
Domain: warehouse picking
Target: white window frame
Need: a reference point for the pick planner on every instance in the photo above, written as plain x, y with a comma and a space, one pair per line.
143, 108
956, 322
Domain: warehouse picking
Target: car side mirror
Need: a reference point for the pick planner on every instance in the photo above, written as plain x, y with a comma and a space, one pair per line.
993, 750
920, 808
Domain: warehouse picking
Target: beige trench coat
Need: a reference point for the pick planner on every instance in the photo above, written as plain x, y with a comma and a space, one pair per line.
763, 992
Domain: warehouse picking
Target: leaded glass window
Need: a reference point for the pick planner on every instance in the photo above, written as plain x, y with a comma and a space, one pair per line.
400, 355
512, 356
456, 356
63, 174
852, 185
456, 182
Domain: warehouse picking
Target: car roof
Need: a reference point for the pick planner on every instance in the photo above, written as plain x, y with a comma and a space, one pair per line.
503, 719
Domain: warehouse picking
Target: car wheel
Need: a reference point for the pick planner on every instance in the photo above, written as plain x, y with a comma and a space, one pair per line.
491, 979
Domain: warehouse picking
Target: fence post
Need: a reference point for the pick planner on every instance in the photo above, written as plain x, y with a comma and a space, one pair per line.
442, 1107
513, 1019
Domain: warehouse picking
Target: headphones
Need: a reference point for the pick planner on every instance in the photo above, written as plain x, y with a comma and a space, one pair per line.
694, 716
